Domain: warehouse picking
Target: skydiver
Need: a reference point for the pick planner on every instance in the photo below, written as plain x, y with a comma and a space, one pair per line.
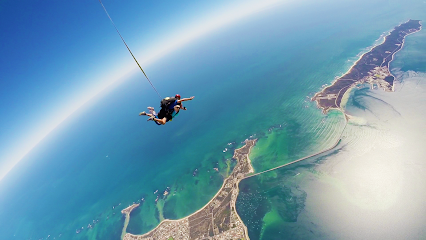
170, 107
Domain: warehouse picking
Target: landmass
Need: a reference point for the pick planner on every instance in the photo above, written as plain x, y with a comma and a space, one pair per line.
126, 212
218, 219
372, 68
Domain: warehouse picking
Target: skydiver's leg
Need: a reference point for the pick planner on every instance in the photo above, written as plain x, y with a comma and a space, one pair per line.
161, 121
151, 116
152, 111
145, 114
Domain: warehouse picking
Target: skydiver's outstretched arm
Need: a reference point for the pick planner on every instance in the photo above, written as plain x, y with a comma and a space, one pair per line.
185, 99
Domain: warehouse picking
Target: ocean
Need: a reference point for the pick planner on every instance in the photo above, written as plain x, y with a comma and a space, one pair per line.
252, 79
371, 186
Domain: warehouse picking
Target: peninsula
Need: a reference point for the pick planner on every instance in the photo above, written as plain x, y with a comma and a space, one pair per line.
126, 212
218, 219
372, 68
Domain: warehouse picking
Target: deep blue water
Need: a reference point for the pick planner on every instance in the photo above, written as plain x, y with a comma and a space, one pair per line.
247, 78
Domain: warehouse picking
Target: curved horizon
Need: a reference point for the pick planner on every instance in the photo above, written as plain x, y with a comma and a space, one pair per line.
216, 20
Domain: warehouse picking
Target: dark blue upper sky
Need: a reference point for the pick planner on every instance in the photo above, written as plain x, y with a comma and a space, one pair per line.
55, 55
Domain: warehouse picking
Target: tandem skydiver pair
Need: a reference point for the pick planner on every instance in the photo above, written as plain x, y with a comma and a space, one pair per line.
170, 107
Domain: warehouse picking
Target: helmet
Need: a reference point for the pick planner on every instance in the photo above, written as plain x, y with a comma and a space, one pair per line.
177, 96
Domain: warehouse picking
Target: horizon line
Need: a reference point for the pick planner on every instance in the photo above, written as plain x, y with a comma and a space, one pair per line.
158, 50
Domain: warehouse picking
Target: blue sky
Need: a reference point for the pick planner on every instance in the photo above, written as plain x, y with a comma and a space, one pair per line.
57, 55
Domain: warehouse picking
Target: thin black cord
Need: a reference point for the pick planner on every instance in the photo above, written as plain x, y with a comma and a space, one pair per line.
129, 49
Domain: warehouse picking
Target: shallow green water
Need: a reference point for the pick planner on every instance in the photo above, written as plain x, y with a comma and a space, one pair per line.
246, 84
272, 204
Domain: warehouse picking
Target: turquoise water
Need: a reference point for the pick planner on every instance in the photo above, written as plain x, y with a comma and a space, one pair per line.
251, 79
284, 204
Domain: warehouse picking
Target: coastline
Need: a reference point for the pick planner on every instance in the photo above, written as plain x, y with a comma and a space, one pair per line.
228, 191
383, 36
251, 170
126, 212
402, 46
238, 190
340, 109
317, 97
345, 98
312, 155
167, 225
